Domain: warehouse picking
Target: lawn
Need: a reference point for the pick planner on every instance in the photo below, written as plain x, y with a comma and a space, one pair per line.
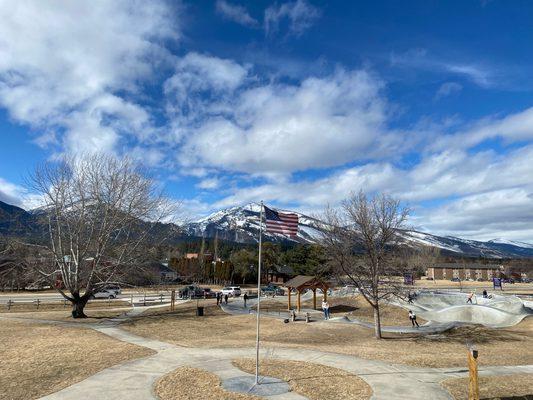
39, 359
218, 329
187, 383
314, 381
515, 387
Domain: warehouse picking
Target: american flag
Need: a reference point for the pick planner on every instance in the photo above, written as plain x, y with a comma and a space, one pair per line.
276, 222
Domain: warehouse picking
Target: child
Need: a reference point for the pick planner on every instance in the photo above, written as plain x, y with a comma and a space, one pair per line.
412, 317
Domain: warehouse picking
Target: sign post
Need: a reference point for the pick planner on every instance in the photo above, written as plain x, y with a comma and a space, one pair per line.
172, 300
473, 385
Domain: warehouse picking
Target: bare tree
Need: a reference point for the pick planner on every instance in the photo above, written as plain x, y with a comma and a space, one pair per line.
360, 240
99, 211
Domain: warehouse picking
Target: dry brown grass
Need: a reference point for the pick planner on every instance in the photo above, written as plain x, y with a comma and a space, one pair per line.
358, 307
516, 387
38, 359
217, 329
192, 383
315, 381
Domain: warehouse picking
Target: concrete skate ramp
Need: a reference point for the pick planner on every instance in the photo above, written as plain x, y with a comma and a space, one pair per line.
474, 314
497, 311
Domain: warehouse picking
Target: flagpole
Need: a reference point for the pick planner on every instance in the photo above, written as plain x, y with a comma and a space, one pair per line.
258, 295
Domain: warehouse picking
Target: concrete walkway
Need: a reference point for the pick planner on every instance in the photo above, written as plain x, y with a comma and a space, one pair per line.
135, 379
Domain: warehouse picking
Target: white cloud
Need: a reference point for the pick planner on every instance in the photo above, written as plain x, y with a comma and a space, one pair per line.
62, 65
18, 195
484, 216
512, 128
447, 89
484, 180
235, 13
209, 184
300, 16
281, 128
479, 74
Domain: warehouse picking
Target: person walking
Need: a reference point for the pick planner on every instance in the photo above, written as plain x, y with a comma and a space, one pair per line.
245, 298
412, 317
409, 298
226, 299
218, 298
325, 308
469, 299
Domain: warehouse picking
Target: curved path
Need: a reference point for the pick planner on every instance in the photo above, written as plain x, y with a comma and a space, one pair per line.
135, 379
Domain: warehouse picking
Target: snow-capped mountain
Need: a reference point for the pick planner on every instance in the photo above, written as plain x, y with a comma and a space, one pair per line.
496, 248
241, 224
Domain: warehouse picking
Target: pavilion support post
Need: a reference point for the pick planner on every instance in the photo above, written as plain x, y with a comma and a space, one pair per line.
314, 299
289, 289
299, 300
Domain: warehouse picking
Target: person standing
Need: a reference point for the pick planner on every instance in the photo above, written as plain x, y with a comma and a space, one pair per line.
412, 317
218, 298
325, 308
226, 298
485, 294
245, 298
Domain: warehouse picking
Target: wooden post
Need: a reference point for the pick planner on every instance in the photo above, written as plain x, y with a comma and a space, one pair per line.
314, 298
473, 386
172, 300
325, 290
299, 303
289, 289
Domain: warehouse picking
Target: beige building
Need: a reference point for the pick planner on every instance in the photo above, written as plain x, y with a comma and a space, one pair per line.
474, 271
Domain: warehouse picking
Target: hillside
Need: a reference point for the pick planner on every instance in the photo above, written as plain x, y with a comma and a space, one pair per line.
241, 224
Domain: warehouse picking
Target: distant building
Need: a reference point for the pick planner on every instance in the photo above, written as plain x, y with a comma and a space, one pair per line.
281, 274
161, 271
475, 271
208, 257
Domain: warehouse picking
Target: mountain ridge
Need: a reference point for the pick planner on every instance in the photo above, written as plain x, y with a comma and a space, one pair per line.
241, 224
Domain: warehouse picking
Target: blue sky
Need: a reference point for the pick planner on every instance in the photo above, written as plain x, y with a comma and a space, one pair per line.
297, 103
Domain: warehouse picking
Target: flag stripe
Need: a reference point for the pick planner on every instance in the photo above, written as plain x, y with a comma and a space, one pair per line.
285, 224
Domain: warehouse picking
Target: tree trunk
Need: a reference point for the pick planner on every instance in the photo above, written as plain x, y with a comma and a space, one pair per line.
377, 322
78, 306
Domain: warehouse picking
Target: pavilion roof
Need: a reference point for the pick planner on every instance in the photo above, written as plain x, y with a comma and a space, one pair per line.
305, 281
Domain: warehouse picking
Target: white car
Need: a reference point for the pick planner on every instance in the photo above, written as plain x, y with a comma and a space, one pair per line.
104, 294
232, 291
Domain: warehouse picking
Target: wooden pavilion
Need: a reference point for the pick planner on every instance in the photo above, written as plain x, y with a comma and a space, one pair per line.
302, 282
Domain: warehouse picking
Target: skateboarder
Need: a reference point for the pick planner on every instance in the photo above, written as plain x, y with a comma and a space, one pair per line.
412, 317
469, 300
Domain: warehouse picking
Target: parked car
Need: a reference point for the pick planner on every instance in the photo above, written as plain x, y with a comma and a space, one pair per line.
455, 280
232, 291
113, 288
271, 290
191, 291
209, 293
104, 294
